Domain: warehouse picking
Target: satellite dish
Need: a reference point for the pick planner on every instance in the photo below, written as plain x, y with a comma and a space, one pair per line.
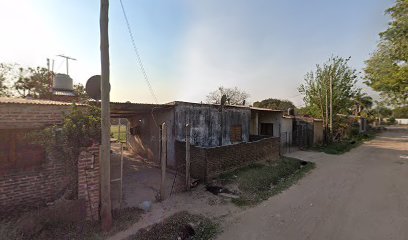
93, 87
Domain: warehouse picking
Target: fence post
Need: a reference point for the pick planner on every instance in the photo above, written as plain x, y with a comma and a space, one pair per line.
119, 130
163, 161
188, 184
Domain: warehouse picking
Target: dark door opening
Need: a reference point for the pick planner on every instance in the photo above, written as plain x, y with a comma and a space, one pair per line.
266, 129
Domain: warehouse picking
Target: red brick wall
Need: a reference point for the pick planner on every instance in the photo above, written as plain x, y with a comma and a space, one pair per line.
32, 187
88, 181
15, 116
208, 163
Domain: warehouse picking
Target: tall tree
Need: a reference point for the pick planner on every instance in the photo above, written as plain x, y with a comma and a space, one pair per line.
234, 96
3, 87
5, 79
80, 92
330, 84
362, 102
33, 82
387, 69
273, 103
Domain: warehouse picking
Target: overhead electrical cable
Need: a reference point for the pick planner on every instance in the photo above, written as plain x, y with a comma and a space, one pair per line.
139, 60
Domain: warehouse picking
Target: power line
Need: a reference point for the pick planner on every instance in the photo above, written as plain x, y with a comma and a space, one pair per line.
139, 60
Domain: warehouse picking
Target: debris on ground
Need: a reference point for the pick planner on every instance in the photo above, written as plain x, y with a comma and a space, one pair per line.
146, 206
180, 226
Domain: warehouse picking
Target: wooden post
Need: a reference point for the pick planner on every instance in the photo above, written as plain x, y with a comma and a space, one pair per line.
188, 183
163, 161
106, 208
119, 130
331, 107
121, 174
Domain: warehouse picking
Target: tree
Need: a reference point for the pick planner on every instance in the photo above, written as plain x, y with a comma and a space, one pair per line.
273, 103
387, 69
3, 87
362, 102
400, 112
80, 93
33, 82
5, 74
234, 96
80, 128
330, 90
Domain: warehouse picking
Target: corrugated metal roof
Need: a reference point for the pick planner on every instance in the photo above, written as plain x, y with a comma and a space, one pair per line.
63, 93
6, 100
266, 109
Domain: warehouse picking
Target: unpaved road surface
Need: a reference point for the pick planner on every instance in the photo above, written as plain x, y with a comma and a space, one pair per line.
362, 194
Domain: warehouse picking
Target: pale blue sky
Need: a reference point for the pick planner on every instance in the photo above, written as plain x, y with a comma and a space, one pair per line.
189, 48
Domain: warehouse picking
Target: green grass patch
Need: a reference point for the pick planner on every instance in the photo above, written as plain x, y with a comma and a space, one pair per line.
178, 225
345, 145
115, 132
259, 182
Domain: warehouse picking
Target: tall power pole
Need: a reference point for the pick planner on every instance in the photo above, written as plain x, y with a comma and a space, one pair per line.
331, 105
106, 208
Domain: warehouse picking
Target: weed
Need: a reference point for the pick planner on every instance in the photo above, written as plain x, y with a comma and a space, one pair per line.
259, 182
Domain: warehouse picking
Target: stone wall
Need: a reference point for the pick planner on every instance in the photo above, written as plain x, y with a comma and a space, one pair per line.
208, 163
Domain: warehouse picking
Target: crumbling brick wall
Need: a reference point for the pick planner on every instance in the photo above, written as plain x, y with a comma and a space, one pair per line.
32, 187
89, 181
17, 116
208, 163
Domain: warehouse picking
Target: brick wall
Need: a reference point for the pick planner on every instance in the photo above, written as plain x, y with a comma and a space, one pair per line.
15, 116
88, 181
208, 163
32, 187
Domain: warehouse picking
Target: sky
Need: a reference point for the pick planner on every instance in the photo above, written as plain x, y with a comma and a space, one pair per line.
191, 47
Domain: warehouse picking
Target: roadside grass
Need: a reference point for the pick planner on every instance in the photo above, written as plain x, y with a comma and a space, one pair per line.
259, 182
115, 132
345, 145
47, 229
181, 225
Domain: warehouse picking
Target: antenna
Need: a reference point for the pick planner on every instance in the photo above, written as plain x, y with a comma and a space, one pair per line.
66, 59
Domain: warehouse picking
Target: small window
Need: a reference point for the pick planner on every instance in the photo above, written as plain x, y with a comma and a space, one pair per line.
236, 133
16, 152
267, 129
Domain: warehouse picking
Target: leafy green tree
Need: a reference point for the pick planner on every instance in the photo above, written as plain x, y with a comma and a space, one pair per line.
362, 103
80, 92
33, 82
234, 96
387, 69
5, 70
81, 128
273, 103
333, 80
400, 112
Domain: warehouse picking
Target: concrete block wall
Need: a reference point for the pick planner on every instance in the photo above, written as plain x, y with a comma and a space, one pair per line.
89, 181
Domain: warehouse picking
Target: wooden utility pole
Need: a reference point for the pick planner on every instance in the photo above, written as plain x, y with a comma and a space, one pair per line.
331, 105
106, 208
163, 161
327, 115
188, 183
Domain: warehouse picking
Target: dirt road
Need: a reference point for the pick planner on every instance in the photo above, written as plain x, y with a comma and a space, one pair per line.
362, 194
